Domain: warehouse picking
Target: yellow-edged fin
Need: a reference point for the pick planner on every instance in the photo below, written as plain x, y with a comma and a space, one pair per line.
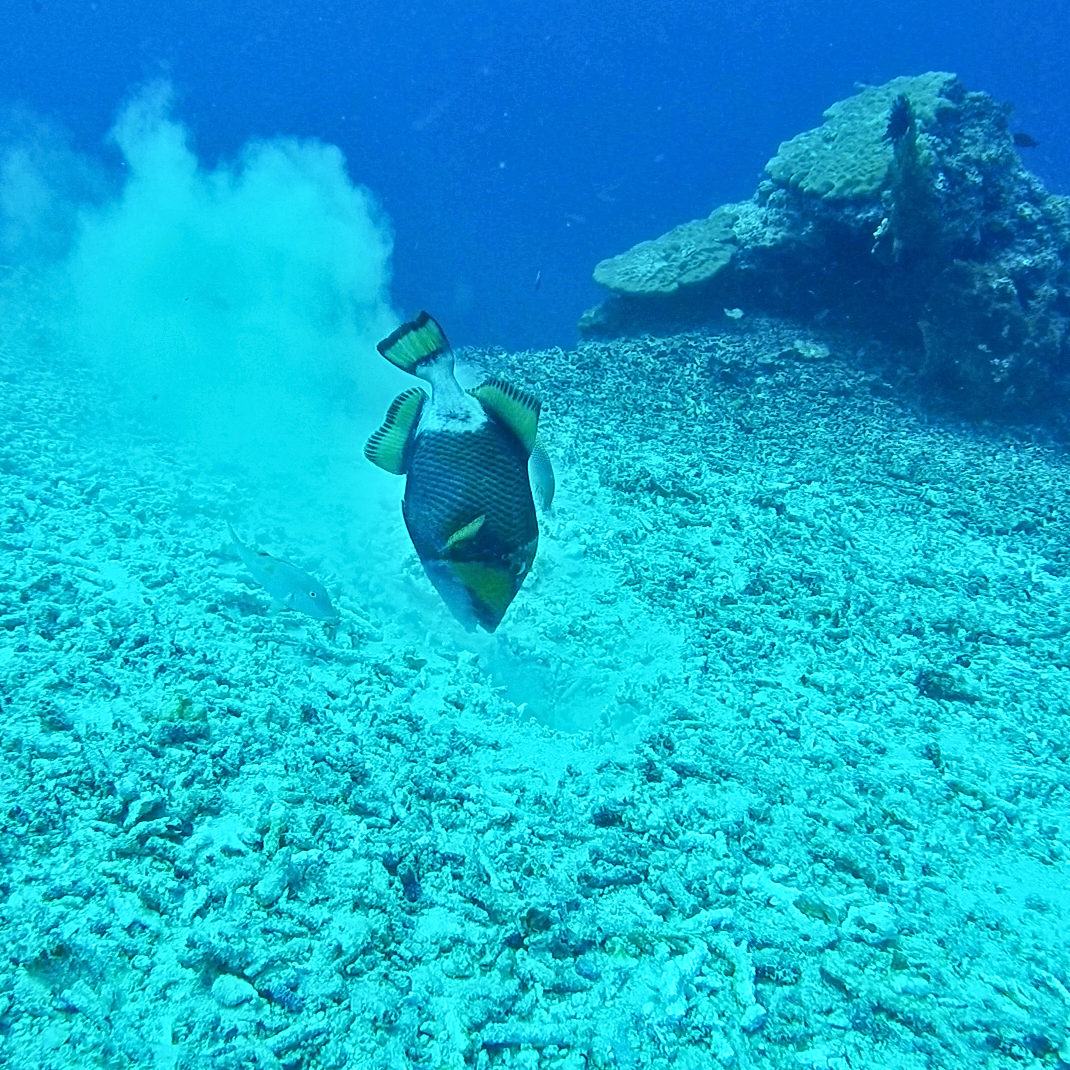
469, 531
388, 447
516, 408
414, 342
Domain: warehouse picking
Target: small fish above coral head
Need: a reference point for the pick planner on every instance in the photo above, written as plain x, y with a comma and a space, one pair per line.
291, 586
900, 120
465, 455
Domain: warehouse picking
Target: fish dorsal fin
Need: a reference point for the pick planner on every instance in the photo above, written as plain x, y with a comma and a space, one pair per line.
517, 409
413, 343
469, 531
388, 447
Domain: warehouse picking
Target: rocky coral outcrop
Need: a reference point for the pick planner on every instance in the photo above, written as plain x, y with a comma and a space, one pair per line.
847, 158
906, 213
688, 255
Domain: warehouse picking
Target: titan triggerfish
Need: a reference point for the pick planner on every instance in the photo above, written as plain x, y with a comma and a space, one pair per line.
468, 496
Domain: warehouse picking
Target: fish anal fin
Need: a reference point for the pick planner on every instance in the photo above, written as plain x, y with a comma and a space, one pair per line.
414, 342
468, 531
388, 447
516, 408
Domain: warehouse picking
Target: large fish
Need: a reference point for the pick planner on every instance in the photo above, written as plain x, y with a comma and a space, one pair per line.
468, 499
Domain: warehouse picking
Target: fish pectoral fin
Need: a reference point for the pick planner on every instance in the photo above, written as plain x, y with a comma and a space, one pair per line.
516, 408
388, 447
413, 343
469, 531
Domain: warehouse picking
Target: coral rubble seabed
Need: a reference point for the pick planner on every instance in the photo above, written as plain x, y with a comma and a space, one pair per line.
818, 814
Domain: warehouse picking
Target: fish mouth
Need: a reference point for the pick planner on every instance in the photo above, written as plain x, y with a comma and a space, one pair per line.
479, 591
475, 593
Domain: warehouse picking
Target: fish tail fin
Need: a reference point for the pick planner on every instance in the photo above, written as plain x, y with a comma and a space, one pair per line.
413, 343
233, 534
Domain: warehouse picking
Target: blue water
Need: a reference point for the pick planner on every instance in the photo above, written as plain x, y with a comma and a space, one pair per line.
510, 142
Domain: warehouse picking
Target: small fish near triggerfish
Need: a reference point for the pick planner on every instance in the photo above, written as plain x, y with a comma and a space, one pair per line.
466, 456
292, 587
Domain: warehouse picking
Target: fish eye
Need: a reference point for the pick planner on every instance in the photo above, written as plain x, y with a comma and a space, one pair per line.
311, 594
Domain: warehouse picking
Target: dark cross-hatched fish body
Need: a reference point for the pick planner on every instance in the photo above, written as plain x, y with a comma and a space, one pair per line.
468, 503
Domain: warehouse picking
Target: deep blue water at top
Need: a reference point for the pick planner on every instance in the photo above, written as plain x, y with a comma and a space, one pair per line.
512, 140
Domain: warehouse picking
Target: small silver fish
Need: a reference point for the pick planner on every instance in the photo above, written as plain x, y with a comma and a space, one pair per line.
541, 475
286, 583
